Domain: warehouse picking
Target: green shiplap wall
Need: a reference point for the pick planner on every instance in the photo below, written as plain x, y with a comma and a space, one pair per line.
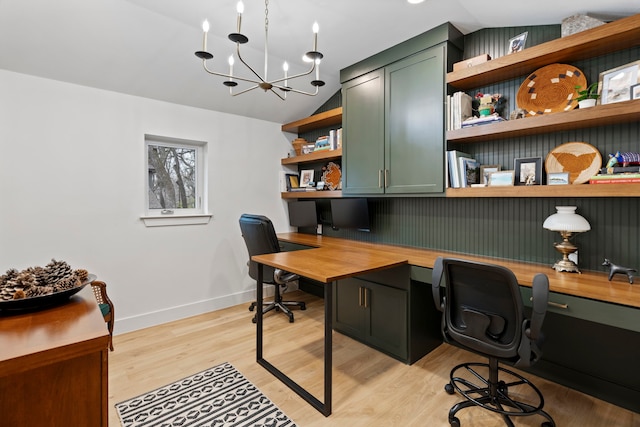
512, 227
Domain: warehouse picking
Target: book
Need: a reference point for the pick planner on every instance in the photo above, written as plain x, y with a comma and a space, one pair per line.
620, 169
478, 121
469, 172
620, 178
454, 168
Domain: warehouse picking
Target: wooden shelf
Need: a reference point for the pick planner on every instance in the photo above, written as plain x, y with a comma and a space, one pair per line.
311, 194
580, 190
317, 121
614, 36
600, 115
317, 156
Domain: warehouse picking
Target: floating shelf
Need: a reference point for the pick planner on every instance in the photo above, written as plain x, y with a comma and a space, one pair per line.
311, 194
600, 115
316, 156
317, 121
578, 190
614, 36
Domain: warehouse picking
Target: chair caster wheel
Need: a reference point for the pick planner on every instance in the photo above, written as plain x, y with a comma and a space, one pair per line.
546, 424
254, 320
455, 422
304, 307
252, 307
290, 319
449, 389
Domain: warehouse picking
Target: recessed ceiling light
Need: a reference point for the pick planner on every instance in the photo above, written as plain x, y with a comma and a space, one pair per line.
415, 1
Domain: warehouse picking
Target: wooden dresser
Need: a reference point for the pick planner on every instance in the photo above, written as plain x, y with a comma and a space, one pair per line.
53, 366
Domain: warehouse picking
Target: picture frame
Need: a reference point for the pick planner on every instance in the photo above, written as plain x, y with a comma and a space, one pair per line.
517, 43
528, 171
306, 177
558, 178
615, 85
635, 91
486, 170
292, 181
501, 179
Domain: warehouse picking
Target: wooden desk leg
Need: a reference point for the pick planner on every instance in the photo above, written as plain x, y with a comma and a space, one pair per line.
323, 408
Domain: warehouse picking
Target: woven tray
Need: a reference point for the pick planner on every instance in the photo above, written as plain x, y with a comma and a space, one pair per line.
580, 159
550, 89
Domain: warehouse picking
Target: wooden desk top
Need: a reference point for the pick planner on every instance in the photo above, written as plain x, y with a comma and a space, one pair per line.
30, 340
326, 265
589, 284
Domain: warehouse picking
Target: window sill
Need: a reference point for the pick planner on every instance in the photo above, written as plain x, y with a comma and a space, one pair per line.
170, 220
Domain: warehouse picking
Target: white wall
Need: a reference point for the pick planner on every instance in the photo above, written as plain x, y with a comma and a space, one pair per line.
72, 188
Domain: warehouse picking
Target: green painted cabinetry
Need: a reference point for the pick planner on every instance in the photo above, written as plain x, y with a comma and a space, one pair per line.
393, 135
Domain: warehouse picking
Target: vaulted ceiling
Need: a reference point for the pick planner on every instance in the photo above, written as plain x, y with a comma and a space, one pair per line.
146, 47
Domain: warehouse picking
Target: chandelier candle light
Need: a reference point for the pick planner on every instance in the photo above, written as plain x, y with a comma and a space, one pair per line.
567, 222
259, 81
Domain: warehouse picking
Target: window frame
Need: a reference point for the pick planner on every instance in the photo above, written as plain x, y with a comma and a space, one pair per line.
180, 216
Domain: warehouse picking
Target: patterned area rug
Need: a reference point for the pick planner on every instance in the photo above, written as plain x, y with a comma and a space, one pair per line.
217, 397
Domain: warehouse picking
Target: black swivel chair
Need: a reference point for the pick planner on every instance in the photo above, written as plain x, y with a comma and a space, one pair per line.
483, 313
260, 238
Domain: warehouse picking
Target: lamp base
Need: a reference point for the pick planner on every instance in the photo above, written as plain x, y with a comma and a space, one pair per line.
566, 265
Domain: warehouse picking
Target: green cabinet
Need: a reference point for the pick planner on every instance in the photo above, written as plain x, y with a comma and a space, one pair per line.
393, 127
372, 313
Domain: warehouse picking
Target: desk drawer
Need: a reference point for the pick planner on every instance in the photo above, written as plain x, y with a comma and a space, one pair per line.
604, 313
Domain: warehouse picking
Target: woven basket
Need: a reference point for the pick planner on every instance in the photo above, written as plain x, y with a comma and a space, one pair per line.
551, 89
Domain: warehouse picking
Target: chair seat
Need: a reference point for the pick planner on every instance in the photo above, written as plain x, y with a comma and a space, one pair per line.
105, 309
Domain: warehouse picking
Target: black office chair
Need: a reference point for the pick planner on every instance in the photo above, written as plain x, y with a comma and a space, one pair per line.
483, 313
260, 238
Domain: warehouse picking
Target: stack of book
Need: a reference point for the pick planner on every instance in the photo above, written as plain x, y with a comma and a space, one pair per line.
486, 120
616, 178
459, 109
463, 169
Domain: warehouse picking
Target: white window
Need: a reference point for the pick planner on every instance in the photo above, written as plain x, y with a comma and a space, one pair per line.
175, 184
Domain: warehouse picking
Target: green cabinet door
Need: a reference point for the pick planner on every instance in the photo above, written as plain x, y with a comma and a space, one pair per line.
414, 123
349, 314
387, 322
363, 134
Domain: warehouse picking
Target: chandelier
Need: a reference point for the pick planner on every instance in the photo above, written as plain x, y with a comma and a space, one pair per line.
262, 81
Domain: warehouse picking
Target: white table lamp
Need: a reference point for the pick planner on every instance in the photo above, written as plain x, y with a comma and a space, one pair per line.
567, 222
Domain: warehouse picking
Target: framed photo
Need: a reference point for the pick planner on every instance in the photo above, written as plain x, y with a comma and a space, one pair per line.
292, 181
306, 176
486, 170
517, 43
615, 85
528, 171
635, 91
558, 178
501, 179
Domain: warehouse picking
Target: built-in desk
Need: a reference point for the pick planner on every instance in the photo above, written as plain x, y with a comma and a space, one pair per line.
592, 326
53, 366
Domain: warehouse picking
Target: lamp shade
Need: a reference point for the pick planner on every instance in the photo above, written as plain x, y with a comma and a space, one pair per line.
566, 219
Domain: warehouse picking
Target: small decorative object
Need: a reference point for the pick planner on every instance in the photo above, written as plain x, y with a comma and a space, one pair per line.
577, 23
468, 63
618, 269
587, 97
528, 171
635, 91
306, 177
332, 176
517, 43
487, 170
501, 179
550, 89
615, 84
558, 178
308, 148
518, 113
485, 105
580, 159
298, 143
623, 159
567, 222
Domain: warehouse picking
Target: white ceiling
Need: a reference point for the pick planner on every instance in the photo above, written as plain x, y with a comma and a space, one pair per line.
145, 47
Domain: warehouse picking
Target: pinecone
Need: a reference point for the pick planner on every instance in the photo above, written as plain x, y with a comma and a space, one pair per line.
22, 282
40, 274
10, 274
37, 291
66, 283
82, 274
55, 271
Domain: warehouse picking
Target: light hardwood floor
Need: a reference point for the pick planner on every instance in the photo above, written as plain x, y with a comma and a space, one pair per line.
370, 389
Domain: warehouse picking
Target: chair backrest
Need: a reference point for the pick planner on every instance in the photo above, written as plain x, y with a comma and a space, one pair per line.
260, 238
483, 309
